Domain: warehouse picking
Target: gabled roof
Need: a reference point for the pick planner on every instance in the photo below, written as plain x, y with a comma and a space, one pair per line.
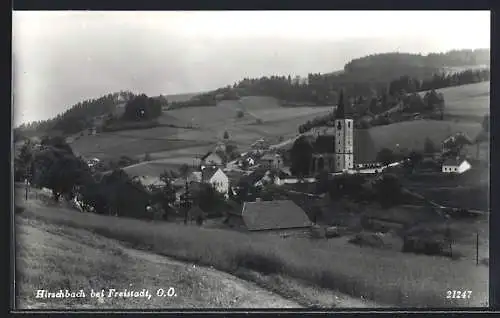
270, 215
208, 172
211, 153
454, 161
270, 156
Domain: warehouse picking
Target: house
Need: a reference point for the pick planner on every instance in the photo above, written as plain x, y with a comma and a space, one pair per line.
273, 161
272, 176
455, 165
279, 215
217, 178
212, 158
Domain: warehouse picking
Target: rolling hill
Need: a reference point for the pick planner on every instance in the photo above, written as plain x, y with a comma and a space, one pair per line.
170, 147
470, 101
209, 124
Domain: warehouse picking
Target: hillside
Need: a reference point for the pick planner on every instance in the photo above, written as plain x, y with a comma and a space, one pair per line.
360, 77
209, 124
48, 253
381, 276
469, 102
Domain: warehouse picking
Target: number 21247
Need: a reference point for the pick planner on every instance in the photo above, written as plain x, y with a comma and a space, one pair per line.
455, 294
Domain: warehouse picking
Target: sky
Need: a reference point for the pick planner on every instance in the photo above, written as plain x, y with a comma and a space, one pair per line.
63, 57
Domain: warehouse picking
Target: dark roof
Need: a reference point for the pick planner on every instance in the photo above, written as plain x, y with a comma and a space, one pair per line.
254, 176
453, 161
210, 153
208, 172
269, 215
340, 112
324, 144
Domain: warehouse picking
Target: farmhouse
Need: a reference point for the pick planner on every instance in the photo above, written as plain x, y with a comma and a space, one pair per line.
273, 176
455, 165
282, 216
272, 161
217, 178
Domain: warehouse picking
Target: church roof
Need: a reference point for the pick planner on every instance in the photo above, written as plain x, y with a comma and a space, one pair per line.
340, 112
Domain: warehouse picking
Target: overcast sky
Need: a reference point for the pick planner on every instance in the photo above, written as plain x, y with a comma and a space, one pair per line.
62, 57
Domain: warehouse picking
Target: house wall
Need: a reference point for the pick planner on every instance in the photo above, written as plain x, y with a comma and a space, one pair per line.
450, 169
464, 167
220, 182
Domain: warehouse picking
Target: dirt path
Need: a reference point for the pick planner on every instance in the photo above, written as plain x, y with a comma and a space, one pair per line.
79, 259
246, 294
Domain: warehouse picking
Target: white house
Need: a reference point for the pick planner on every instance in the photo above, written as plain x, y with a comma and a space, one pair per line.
456, 165
217, 178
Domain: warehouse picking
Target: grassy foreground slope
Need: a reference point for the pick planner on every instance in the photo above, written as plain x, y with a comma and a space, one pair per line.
383, 276
52, 257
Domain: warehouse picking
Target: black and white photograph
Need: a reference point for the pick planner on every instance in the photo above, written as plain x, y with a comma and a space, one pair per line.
250, 159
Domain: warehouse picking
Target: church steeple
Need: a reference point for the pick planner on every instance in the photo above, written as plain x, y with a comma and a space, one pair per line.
340, 112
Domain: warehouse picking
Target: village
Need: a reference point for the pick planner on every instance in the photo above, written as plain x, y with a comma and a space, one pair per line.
261, 194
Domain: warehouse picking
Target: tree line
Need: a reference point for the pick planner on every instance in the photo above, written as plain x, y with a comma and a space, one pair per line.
403, 91
52, 164
366, 76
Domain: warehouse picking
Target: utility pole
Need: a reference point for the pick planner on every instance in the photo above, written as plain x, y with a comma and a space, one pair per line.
477, 248
186, 203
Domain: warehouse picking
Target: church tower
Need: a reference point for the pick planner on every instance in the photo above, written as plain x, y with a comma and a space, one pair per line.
344, 127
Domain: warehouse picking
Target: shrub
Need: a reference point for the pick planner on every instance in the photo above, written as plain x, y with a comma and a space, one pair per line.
427, 246
260, 262
331, 232
240, 114
367, 239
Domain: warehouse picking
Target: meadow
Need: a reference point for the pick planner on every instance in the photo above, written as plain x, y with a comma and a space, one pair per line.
472, 100
208, 126
386, 277
52, 257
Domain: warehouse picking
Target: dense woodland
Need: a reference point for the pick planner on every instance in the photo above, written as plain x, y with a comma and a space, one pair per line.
383, 76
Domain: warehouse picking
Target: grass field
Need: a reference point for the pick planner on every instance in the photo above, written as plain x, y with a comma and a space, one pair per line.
383, 276
209, 124
52, 257
472, 100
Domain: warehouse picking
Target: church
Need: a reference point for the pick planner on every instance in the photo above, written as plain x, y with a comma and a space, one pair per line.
333, 149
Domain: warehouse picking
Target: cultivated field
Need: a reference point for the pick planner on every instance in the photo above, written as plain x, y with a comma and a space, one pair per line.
384, 276
209, 124
470, 101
